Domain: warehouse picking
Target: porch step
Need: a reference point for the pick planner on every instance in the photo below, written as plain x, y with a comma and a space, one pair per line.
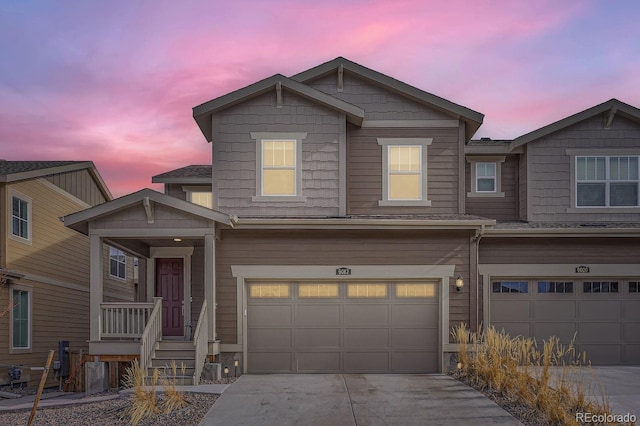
178, 351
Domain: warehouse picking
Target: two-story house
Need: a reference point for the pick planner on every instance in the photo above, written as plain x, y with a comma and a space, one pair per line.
45, 266
348, 220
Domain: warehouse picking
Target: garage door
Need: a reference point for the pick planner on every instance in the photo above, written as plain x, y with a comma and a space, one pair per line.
603, 314
372, 327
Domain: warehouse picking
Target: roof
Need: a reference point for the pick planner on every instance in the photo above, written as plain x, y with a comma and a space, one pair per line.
473, 119
13, 171
611, 107
203, 113
80, 220
195, 173
564, 229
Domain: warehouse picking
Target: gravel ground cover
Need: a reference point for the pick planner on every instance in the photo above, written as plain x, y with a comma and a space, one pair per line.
112, 412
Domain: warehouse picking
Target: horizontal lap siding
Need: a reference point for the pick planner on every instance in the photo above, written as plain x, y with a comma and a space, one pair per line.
58, 313
559, 250
335, 248
55, 252
364, 170
499, 208
550, 173
234, 155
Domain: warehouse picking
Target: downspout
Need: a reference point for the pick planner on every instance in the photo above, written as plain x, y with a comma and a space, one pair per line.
476, 238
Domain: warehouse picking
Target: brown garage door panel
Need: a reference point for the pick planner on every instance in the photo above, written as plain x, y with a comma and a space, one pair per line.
510, 310
602, 354
344, 334
632, 354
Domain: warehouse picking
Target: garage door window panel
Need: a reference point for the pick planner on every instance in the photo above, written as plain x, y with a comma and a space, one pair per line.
415, 290
269, 291
600, 287
555, 287
510, 287
367, 290
634, 286
318, 290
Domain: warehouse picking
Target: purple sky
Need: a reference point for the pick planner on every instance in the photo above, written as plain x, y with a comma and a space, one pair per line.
115, 81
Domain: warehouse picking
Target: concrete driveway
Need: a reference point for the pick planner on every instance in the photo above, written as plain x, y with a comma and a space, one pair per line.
353, 399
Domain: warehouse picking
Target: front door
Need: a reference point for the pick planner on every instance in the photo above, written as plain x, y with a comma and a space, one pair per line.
170, 286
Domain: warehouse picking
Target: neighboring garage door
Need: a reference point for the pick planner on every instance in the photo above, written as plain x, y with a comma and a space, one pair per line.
603, 314
372, 327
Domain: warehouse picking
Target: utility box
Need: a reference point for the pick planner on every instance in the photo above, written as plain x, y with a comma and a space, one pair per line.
64, 356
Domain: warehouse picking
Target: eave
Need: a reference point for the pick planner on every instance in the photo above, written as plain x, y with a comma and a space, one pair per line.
203, 113
563, 233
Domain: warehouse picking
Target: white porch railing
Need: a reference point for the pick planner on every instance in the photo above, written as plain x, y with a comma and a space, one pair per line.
201, 342
124, 320
152, 334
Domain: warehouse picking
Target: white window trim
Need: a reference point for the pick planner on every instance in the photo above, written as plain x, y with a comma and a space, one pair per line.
385, 143
259, 137
13, 193
125, 265
29, 290
473, 161
190, 190
614, 152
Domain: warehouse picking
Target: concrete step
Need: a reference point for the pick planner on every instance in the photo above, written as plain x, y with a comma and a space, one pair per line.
175, 344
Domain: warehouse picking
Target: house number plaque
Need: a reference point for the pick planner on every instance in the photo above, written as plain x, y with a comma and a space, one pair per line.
582, 270
343, 271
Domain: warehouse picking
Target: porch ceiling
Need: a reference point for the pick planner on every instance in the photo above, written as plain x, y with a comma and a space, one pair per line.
141, 246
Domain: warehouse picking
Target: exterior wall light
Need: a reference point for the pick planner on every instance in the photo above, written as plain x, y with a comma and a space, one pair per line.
177, 240
459, 283
235, 368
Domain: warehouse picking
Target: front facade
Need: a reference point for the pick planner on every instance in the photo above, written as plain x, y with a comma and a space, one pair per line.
348, 221
44, 266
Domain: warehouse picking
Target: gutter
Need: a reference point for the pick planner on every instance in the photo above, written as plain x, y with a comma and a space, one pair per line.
563, 232
338, 223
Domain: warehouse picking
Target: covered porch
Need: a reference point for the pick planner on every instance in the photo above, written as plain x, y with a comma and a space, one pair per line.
174, 242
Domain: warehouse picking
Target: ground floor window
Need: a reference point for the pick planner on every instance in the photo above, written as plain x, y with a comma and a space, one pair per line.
20, 318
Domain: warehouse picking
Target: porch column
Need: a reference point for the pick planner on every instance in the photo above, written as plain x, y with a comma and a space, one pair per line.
210, 283
95, 286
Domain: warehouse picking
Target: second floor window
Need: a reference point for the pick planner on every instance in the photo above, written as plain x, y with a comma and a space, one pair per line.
279, 167
485, 177
117, 263
405, 172
201, 198
607, 181
20, 218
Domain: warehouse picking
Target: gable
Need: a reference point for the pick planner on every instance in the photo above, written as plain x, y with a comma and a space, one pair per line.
80, 184
379, 102
164, 217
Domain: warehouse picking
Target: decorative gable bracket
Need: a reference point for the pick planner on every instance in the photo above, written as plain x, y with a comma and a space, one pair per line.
279, 94
148, 208
340, 77
609, 117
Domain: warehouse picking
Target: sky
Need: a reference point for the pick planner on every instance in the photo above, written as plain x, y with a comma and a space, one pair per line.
115, 81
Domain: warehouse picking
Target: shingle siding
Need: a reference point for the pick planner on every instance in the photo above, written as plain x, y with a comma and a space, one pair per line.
550, 172
234, 155
379, 103
500, 208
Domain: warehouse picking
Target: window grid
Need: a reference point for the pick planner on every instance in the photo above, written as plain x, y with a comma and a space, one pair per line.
405, 172
607, 181
555, 287
20, 218
510, 287
117, 263
486, 177
600, 287
20, 319
279, 167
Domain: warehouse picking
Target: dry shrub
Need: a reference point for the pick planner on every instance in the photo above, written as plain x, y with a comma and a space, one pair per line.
144, 400
516, 369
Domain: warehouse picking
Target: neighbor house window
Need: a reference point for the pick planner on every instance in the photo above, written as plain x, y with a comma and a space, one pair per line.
486, 177
404, 171
200, 196
20, 217
20, 317
117, 263
278, 166
607, 181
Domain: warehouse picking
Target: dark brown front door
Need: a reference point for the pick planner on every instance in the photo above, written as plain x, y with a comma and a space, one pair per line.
170, 286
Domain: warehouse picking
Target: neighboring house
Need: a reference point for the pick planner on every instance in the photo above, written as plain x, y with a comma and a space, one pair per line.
350, 222
46, 265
